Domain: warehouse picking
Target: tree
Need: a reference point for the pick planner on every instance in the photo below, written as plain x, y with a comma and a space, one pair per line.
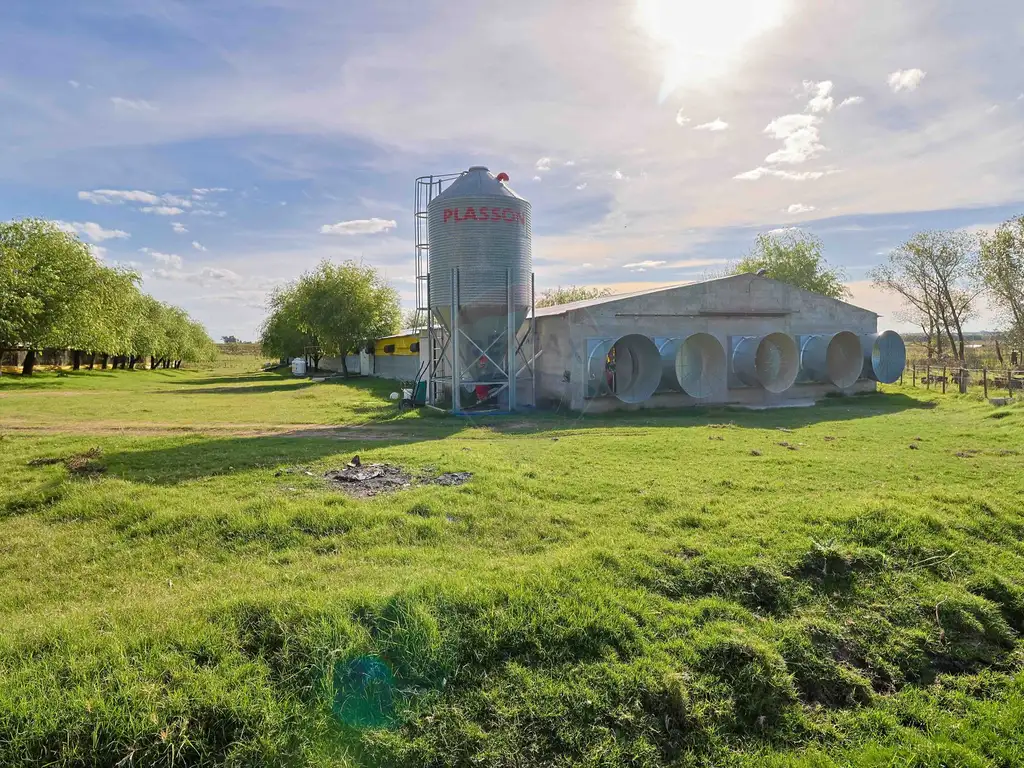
556, 296
932, 272
345, 305
1000, 270
281, 335
44, 273
794, 257
229, 339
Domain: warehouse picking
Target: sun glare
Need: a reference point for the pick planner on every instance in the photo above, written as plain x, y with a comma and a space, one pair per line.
702, 40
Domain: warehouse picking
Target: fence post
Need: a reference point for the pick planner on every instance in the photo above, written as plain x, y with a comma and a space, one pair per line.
963, 381
913, 375
1009, 383
943, 379
984, 380
927, 377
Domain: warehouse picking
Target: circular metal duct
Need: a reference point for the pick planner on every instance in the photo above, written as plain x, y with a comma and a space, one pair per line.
885, 356
628, 368
771, 361
832, 358
700, 366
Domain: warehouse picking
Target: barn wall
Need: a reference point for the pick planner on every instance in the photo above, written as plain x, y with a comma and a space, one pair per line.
659, 314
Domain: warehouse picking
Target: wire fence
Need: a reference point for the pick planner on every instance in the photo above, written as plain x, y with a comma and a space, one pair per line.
993, 382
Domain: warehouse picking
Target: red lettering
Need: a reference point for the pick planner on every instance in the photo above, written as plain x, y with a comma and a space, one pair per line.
521, 219
495, 214
469, 214
457, 215
483, 214
447, 214
508, 215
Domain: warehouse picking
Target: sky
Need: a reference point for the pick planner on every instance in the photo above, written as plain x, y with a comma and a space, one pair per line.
223, 147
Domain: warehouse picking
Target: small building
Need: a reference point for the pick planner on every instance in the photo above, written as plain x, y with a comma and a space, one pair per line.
391, 357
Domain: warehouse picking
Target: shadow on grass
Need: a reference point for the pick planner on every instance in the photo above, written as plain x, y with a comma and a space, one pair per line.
218, 457
212, 457
258, 389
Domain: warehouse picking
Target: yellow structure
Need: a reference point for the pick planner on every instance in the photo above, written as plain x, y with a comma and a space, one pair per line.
397, 344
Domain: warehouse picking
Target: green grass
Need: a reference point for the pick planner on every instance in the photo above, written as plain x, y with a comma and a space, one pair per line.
637, 589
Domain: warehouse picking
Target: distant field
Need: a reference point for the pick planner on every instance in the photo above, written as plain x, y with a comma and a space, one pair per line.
832, 586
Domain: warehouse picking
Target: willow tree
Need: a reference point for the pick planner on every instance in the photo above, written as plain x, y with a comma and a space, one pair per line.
44, 273
1000, 269
795, 257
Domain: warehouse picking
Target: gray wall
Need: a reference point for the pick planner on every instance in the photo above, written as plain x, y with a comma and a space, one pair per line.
401, 367
564, 338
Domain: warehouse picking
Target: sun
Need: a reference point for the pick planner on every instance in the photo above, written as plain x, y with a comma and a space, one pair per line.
702, 40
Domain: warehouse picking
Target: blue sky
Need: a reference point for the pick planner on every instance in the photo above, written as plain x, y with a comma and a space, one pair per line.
209, 142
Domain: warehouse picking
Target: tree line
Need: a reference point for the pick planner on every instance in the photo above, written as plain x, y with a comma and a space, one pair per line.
54, 294
942, 276
333, 310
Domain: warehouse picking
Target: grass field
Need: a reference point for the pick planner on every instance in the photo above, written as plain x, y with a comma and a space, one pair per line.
841, 585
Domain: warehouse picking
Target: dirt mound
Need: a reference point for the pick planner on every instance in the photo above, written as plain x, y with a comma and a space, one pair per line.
77, 464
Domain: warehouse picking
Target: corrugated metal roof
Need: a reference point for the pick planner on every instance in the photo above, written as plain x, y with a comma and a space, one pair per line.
403, 332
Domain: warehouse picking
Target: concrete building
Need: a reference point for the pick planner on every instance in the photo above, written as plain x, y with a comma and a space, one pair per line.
577, 343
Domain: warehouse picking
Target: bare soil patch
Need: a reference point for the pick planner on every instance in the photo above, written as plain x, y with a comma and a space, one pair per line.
365, 480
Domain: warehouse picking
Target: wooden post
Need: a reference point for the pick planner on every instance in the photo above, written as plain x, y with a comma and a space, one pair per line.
913, 375
984, 381
1009, 383
927, 377
963, 381
943, 379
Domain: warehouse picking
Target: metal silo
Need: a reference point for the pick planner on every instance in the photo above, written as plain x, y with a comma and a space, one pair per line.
480, 289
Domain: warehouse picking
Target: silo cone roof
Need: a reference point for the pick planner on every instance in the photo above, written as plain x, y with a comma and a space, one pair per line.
475, 182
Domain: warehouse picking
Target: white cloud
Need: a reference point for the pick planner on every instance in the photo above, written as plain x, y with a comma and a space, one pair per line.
198, 246
852, 101
178, 227
359, 227
644, 264
906, 79
573, 162
800, 138
74, 84
821, 99
638, 270
618, 175
92, 230
681, 119
718, 124
544, 164
760, 173
204, 212
98, 251
201, 192
582, 186
800, 208
163, 210
537, 178
135, 105
170, 259
118, 196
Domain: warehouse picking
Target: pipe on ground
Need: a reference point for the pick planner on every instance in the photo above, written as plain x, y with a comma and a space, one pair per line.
628, 368
885, 356
832, 358
771, 362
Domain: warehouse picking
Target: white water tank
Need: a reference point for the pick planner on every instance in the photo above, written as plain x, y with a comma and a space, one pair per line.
299, 366
483, 228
